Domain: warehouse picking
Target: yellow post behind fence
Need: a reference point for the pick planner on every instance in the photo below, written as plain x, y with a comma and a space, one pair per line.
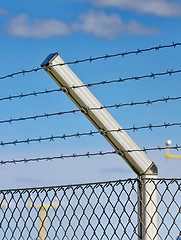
42, 216
3, 204
167, 151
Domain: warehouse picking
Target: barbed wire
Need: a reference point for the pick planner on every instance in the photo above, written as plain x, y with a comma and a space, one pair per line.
34, 93
88, 154
22, 95
116, 106
90, 133
91, 59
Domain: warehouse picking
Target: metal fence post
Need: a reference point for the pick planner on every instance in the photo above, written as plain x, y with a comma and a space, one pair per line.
120, 140
147, 207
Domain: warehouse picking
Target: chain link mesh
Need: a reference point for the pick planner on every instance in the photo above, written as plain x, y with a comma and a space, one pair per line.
107, 210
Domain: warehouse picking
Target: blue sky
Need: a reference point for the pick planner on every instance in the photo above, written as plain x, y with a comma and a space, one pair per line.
31, 30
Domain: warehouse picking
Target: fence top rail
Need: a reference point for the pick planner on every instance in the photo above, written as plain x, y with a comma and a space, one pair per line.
94, 184
106, 183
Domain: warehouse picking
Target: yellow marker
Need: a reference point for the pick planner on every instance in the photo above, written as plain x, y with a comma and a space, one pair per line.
167, 151
3, 204
42, 216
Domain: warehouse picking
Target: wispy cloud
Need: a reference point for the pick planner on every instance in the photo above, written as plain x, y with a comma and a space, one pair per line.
154, 7
98, 24
22, 26
110, 26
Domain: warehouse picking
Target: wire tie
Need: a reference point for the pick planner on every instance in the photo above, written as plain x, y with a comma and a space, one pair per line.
84, 110
23, 72
119, 152
100, 153
103, 132
10, 97
65, 89
106, 56
15, 142
2, 162
2, 144
21, 95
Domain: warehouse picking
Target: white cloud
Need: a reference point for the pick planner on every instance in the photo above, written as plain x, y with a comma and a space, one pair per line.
110, 26
135, 28
22, 26
98, 24
154, 7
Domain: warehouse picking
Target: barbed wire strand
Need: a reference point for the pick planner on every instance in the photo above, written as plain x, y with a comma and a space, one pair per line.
116, 106
90, 133
88, 154
91, 59
34, 93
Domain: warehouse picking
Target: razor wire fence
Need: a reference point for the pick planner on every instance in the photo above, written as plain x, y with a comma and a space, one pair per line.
107, 210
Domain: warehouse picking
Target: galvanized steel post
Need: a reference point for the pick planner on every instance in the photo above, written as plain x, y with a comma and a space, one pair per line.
121, 141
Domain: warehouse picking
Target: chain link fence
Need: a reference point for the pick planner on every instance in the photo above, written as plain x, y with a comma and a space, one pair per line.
107, 210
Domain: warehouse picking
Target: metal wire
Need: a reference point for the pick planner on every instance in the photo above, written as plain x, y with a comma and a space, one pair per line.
100, 210
116, 106
88, 154
91, 59
22, 95
90, 133
120, 80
